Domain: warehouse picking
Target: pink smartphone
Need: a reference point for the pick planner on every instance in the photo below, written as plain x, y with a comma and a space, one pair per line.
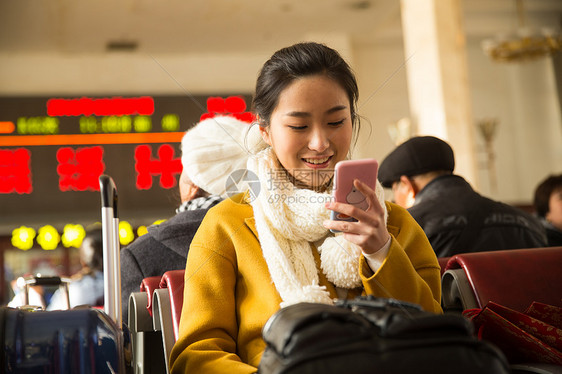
344, 192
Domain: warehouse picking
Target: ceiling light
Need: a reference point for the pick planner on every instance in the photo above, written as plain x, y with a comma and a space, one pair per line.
523, 44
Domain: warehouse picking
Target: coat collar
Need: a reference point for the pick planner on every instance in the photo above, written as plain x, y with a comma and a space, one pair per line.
251, 223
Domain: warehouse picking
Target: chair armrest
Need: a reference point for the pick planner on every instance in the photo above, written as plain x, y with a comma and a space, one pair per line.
457, 293
139, 317
162, 319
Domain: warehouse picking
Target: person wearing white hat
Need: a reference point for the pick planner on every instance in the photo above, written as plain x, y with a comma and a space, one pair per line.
211, 151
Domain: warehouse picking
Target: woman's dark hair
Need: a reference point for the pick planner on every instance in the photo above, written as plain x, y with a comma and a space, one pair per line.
298, 61
543, 192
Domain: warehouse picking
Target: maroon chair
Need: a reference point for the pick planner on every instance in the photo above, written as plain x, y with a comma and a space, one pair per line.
443, 263
167, 303
148, 285
146, 342
513, 278
174, 282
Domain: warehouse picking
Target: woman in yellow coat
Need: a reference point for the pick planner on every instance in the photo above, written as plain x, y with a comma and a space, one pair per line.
271, 247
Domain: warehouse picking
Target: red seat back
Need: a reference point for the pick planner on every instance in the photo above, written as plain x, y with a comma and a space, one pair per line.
443, 263
513, 278
148, 285
174, 281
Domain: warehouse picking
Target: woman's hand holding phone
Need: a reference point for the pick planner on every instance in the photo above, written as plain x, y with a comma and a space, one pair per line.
366, 228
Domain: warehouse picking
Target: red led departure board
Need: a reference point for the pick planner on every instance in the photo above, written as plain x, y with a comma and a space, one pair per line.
53, 149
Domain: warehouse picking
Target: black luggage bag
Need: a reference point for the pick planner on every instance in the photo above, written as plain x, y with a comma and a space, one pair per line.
373, 335
79, 340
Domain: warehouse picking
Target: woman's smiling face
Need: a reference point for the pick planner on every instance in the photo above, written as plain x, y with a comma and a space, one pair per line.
310, 129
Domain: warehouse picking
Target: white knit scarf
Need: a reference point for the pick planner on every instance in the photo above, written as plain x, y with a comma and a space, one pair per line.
288, 220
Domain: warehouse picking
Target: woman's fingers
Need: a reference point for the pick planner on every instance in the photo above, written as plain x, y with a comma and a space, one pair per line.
342, 226
359, 214
369, 231
370, 195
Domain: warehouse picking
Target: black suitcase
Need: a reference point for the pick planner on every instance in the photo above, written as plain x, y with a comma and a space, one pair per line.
79, 340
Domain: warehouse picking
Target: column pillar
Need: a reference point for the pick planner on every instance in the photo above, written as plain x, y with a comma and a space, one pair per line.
437, 76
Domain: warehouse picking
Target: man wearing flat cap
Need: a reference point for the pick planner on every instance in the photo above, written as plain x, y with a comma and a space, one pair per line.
455, 218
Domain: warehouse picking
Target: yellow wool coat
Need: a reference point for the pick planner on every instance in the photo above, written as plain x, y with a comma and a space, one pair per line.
229, 294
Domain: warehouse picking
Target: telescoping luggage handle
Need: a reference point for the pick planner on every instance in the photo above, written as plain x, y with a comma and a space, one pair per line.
27, 282
111, 264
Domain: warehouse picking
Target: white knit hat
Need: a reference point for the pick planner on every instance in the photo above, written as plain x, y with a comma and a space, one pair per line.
215, 147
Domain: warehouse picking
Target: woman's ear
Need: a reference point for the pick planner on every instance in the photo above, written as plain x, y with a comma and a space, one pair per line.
264, 132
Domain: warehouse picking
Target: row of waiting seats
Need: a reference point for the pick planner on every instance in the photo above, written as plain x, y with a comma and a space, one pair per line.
154, 315
512, 278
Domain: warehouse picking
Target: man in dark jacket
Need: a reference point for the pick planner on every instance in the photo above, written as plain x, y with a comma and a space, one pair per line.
455, 218
211, 151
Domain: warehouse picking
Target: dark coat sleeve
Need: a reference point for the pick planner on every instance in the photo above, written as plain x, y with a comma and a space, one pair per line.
146, 257
131, 278
163, 248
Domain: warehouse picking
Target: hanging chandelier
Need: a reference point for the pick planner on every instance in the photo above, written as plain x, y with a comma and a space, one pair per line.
524, 44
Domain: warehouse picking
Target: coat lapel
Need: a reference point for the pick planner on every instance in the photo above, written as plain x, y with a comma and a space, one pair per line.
251, 223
